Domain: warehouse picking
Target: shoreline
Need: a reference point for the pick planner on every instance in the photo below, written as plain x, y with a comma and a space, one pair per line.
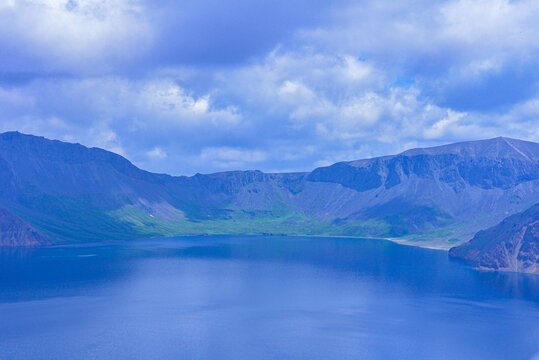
393, 240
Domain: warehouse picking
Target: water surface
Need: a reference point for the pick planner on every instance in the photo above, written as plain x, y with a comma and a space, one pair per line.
260, 298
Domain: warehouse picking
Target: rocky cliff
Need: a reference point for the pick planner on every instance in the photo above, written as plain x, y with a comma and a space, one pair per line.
15, 232
512, 245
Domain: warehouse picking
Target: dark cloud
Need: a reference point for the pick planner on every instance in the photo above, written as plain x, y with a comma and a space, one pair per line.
491, 92
214, 32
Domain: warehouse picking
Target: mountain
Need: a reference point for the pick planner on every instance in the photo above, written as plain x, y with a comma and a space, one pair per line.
437, 197
512, 245
15, 232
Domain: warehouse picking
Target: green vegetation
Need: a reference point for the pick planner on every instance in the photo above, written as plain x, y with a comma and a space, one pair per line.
95, 219
239, 222
73, 219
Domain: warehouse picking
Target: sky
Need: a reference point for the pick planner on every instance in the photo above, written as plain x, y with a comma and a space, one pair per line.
182, 87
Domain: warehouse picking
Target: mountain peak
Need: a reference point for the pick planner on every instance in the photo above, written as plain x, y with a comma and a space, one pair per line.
14, 134
495, 148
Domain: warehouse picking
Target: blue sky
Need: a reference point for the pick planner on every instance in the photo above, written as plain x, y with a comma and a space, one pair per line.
204, 86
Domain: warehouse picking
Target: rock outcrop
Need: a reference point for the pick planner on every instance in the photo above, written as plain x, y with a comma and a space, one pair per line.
512, 245
15, 232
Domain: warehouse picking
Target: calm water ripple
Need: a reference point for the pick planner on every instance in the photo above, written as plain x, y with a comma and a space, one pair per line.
226, 297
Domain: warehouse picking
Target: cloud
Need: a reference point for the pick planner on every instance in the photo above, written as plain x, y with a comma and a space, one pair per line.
454, 49
441, 127
333, 98
213, 32
84, 36
157, 154
449, 33
138, 118
186, 87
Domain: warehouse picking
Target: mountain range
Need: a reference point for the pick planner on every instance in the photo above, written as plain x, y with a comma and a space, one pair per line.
53, 191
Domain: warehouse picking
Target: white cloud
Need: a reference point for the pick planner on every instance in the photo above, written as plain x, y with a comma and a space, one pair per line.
446, 36
294, 92
440, 128
492, 23
170, 101
337, 96
129, 117
81, 35
157, 154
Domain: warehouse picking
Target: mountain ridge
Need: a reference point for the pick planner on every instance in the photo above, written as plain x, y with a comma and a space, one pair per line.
518, 147
71, 192
433, 150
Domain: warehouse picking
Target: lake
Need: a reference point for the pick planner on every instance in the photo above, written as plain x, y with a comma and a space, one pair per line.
266, 297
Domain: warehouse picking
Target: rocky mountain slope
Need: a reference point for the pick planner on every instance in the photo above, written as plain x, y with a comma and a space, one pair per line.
437, 196
512, 245
15, 232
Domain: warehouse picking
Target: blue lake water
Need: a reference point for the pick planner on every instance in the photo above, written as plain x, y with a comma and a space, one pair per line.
260, 298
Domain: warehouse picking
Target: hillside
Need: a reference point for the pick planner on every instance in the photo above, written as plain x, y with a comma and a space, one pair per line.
15, 232
437, 196
512, 245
